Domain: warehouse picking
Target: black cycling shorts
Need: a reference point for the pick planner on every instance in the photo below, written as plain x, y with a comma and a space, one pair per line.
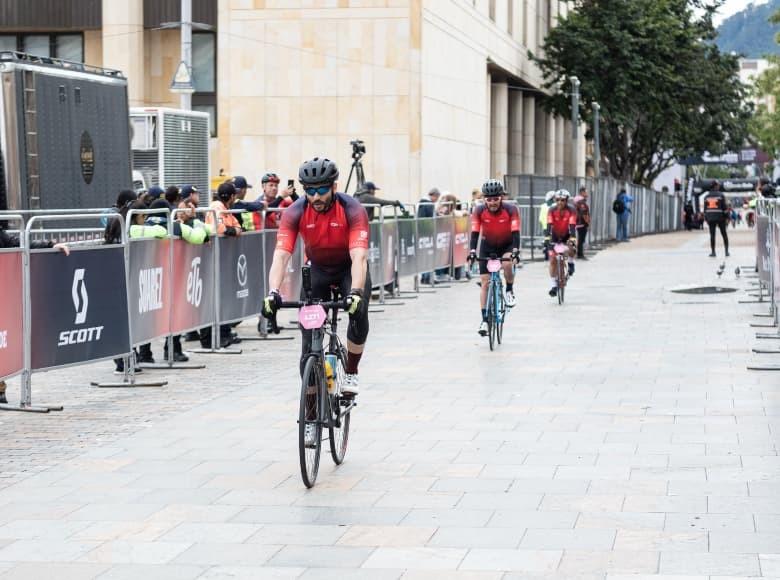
486, 250
357, 329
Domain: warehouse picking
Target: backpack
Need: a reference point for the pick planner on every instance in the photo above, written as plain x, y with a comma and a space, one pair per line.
618, 206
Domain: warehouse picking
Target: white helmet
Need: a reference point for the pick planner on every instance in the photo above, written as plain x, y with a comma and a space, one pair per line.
549, 196
562, 194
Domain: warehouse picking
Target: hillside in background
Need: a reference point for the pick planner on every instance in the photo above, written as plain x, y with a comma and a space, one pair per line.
749, 32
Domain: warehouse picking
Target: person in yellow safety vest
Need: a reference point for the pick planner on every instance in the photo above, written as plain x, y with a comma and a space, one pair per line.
250, 218
156, 226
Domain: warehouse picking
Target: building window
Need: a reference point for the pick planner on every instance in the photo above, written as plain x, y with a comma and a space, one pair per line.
65, 46
204, 76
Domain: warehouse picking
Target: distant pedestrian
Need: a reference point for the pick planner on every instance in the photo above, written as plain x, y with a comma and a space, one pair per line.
366, 195
716, 214
583, 220
622, 208
426, 209
688, 215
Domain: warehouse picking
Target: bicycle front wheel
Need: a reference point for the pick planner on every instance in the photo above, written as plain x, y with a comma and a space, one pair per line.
338, 432
500, 311
561, 279
309, 419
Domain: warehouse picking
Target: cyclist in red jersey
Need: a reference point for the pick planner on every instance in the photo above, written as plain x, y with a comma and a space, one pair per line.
334, 230
499, 225
561, 227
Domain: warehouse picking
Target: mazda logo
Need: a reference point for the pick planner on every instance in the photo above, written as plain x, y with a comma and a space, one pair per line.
241, 270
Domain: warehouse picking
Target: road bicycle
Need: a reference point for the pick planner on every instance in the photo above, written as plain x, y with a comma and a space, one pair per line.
561, 252
496, 303
322, 404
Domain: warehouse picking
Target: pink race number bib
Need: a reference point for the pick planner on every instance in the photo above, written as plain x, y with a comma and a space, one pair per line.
493, 265
560, 248
312, 317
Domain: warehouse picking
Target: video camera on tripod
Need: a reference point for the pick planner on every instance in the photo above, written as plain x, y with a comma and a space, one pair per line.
358, 150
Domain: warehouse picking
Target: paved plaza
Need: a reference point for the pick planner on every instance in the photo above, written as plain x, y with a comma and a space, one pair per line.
617, 437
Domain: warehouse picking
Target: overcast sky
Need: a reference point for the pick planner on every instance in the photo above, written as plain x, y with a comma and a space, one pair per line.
732, 7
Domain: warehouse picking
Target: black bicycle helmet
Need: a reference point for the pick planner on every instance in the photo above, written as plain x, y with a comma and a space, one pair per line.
318, 171
492, 188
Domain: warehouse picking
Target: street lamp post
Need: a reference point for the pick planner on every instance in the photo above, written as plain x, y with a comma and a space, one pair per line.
575, 128
596, 138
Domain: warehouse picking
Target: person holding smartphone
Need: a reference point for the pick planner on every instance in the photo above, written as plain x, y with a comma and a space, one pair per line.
274, 199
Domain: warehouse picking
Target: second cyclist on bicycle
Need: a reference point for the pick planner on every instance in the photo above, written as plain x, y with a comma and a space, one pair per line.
499, 224
561, 227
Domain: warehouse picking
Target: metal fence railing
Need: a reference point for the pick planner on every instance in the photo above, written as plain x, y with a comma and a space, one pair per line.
652, 212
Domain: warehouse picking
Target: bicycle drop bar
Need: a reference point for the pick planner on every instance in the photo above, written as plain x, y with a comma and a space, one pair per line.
340, 304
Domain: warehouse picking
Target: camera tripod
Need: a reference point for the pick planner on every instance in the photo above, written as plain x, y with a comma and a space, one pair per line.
358, 150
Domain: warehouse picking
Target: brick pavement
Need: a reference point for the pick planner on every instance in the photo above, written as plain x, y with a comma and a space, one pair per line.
619, 436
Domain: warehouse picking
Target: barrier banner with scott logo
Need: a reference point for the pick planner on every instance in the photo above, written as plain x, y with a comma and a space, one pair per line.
148, 285
374, 266
78, 305
389, 236
443, 241
460, 248
193, 286
763, 240
240, 276
407, 248
425, 245
11, 314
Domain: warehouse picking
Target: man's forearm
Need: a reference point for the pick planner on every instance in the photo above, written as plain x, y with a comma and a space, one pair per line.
278, 268
359, 268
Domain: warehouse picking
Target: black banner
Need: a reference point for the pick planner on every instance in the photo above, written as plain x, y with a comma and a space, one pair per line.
407, 248
149, 279
193, 286
240, 266
425, 245
79, 306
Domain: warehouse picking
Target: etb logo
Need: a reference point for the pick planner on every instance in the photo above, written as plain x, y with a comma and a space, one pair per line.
194, 283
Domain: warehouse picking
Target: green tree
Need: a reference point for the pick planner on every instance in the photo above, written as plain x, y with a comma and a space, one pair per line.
665, 89
765, 124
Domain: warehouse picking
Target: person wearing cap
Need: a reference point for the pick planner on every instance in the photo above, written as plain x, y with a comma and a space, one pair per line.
224, 224
427, 206
249, 218
274, 199
153, 193
366, 196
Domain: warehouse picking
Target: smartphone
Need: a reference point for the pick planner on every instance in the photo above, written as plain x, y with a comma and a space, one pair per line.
291, 185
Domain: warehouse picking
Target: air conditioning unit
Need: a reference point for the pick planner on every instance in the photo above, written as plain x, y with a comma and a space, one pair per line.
170, 146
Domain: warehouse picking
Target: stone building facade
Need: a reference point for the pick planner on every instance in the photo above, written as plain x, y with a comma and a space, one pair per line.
441, 91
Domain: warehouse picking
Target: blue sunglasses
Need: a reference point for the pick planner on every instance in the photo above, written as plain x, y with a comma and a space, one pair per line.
323, 190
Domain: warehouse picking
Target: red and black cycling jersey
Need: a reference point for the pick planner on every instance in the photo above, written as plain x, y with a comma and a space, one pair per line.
561, 223
499, 230
327, 236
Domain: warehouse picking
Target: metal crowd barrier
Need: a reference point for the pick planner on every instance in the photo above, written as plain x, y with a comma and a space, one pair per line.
768, 263
651, 211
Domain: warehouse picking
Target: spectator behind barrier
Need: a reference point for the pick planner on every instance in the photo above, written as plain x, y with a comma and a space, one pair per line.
366, 196
425, 209
274, 199
250, 218
125, 197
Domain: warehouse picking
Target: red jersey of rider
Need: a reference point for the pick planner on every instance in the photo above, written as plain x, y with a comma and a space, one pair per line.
496, 228
561, 221
327, 236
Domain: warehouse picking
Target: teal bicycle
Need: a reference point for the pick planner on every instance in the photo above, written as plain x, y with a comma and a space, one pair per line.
496, 303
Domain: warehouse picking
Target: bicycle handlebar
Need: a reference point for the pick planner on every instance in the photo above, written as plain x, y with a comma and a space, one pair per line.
274, 327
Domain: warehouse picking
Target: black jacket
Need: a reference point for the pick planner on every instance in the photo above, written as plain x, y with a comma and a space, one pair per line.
425, 208
8, 241
715, 206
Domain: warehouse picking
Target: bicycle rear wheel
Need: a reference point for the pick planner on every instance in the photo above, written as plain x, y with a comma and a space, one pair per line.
338, 432
500, 311
309, 414
491, 316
